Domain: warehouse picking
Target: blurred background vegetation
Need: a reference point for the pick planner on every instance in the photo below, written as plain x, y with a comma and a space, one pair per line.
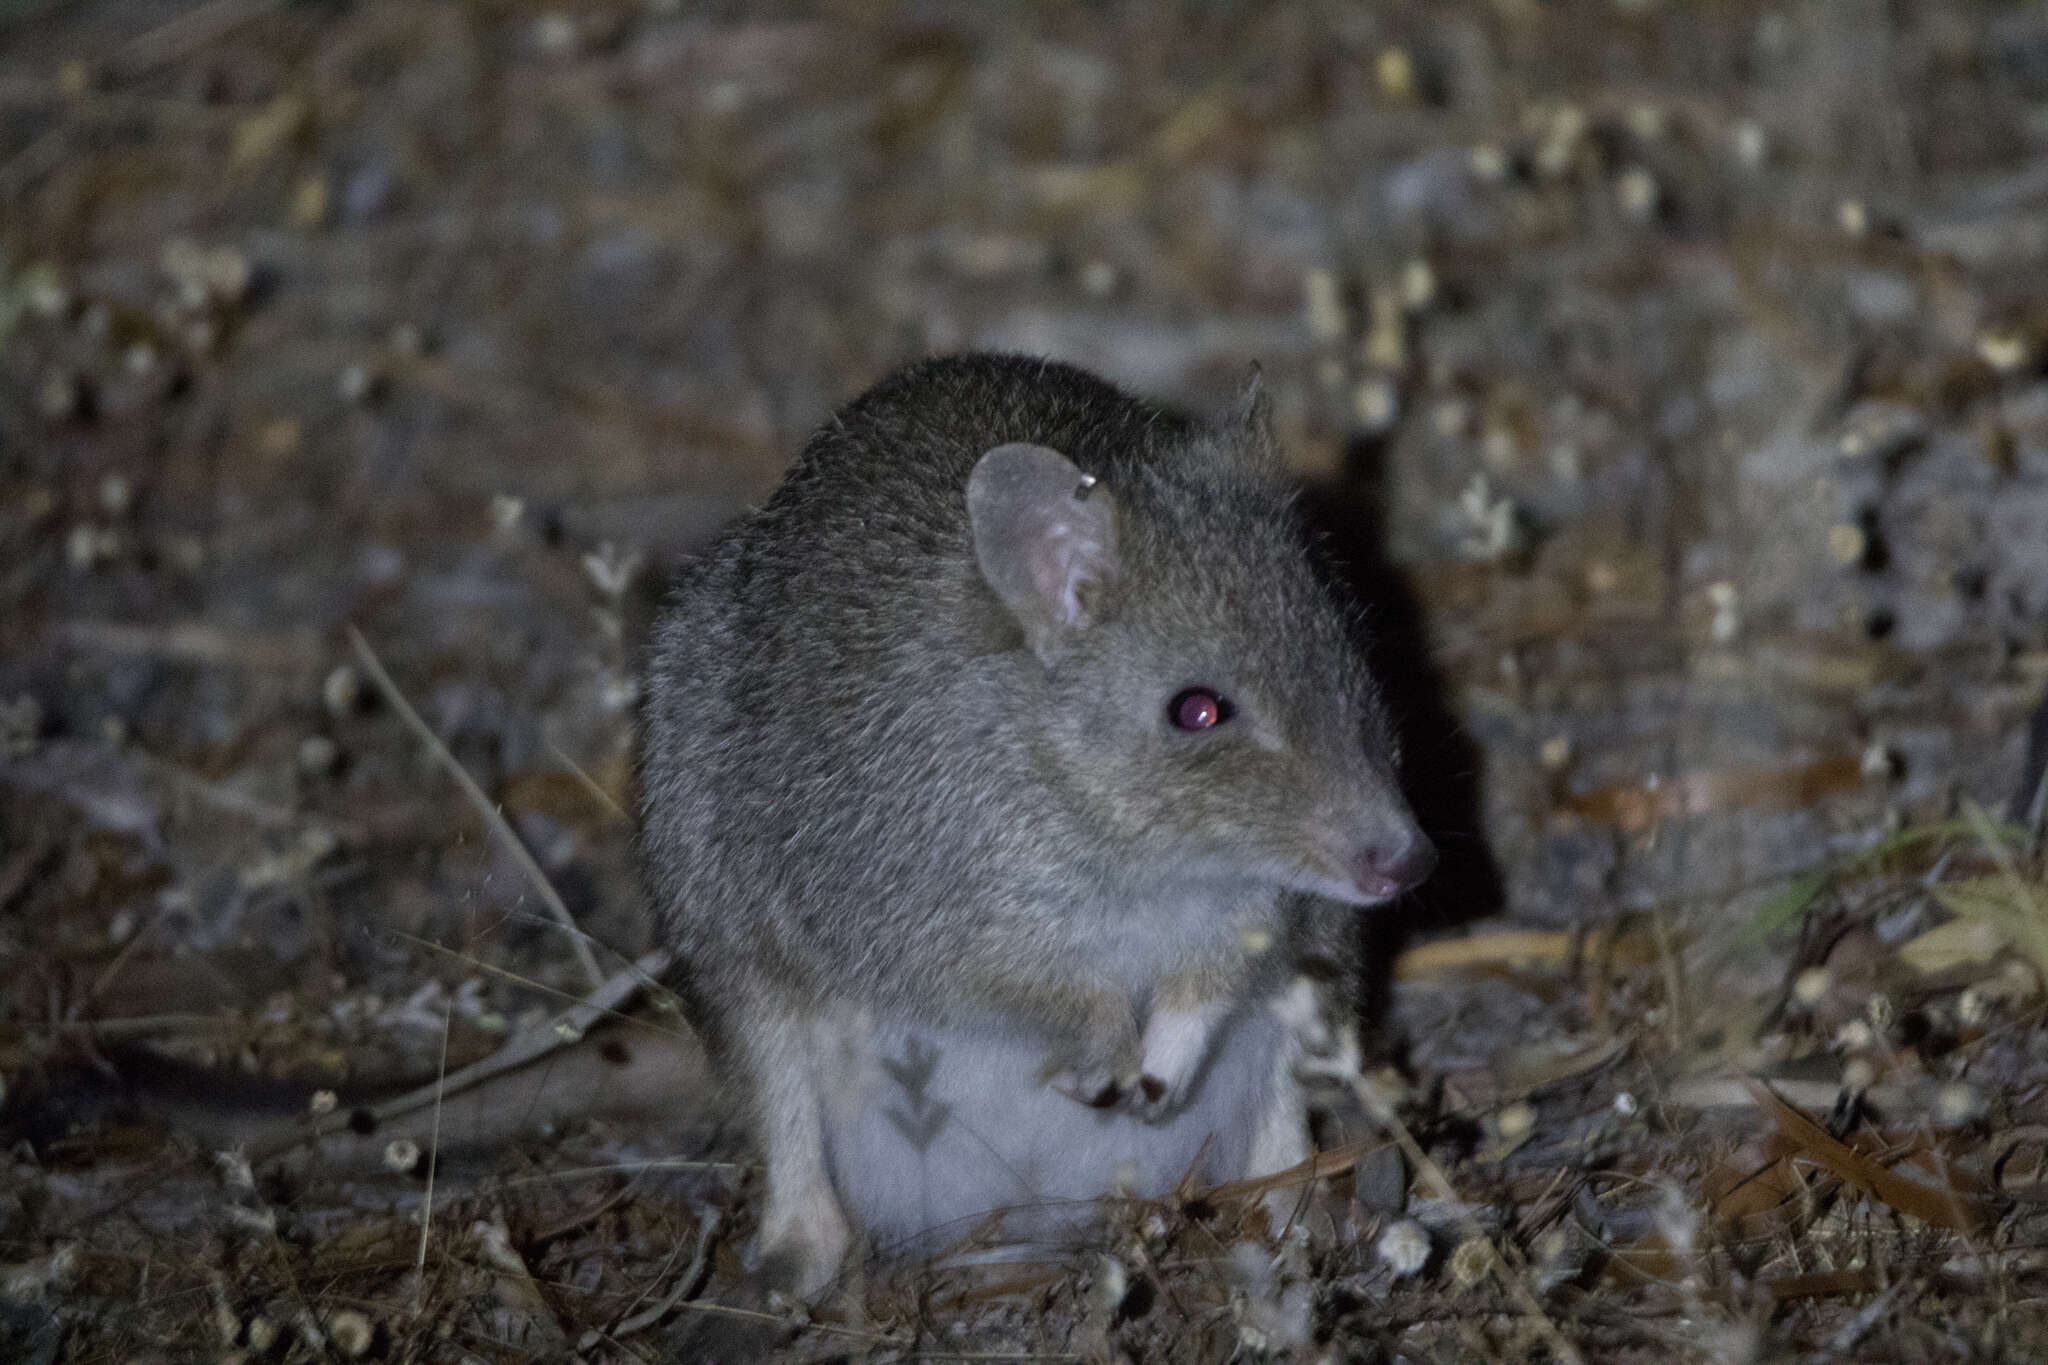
1674, 375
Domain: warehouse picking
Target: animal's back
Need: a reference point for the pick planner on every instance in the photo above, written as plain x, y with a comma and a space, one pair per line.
815, 708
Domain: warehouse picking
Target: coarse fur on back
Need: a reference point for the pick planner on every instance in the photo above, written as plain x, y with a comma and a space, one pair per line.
920, 770
882, 773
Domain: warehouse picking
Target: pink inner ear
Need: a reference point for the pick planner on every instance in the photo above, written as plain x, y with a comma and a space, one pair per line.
1068, 557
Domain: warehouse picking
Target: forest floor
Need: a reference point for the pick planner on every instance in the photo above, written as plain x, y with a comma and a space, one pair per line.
1674, 377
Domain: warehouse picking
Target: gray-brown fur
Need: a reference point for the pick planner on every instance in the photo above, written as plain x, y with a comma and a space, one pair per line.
865, 788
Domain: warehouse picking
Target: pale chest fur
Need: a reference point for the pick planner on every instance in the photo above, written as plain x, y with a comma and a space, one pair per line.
1141, 941
930, 1130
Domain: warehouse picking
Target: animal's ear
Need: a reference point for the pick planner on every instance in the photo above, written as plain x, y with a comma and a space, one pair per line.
1251, 426
1045, 538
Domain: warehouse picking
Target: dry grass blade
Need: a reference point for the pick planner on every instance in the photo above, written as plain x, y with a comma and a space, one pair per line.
1518, 1288
1527, 1070
578, 942
151, 1026
2029, 805
1320, 1166
1941, 1206
686, 1284
1520, 948
23, 866
590, 785
433, 1157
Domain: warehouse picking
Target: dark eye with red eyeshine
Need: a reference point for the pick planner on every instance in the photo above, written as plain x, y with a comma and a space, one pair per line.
1197, 708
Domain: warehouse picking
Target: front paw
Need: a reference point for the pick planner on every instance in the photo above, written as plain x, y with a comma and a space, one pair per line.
1099, 1085
1097, 1064
1123, 1086
1175, 1046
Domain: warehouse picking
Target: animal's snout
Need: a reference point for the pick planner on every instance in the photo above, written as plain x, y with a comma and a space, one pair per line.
1393, 863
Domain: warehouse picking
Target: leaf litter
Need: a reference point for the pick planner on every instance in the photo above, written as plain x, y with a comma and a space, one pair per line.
441, 324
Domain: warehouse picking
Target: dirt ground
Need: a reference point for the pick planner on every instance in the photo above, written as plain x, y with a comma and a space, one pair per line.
1673, 377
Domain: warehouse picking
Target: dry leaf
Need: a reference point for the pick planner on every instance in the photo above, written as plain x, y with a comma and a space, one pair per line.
1941, 1205
1521, 948
1648, 1260
1635, 806
1320, 1166
1758, 1193
261, 134
1527, 1069
2008, 904
1731, 1092
1958, 943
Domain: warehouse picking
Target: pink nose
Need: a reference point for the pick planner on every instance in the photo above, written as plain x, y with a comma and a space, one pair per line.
1387, 868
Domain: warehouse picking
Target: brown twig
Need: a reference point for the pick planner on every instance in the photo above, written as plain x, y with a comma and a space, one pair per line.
685, 1286
567, 1027
590, 785
21, 870
493, 817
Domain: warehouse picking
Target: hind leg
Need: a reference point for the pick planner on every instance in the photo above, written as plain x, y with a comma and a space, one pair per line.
1280, 1137
804, 1232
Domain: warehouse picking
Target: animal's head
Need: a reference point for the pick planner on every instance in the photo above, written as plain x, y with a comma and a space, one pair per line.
1207, 706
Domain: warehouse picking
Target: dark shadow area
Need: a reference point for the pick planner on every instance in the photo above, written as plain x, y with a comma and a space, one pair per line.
2029, 794
1440, 762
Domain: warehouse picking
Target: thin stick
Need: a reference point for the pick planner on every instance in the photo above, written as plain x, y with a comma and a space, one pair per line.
21, 870
433, 1158
684, 1287
597, 793
120, 962
2029, 805
648, 967
567, 1027
570, 1025
492, 815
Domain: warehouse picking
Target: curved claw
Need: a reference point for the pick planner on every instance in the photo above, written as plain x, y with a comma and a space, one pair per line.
1096, 1088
